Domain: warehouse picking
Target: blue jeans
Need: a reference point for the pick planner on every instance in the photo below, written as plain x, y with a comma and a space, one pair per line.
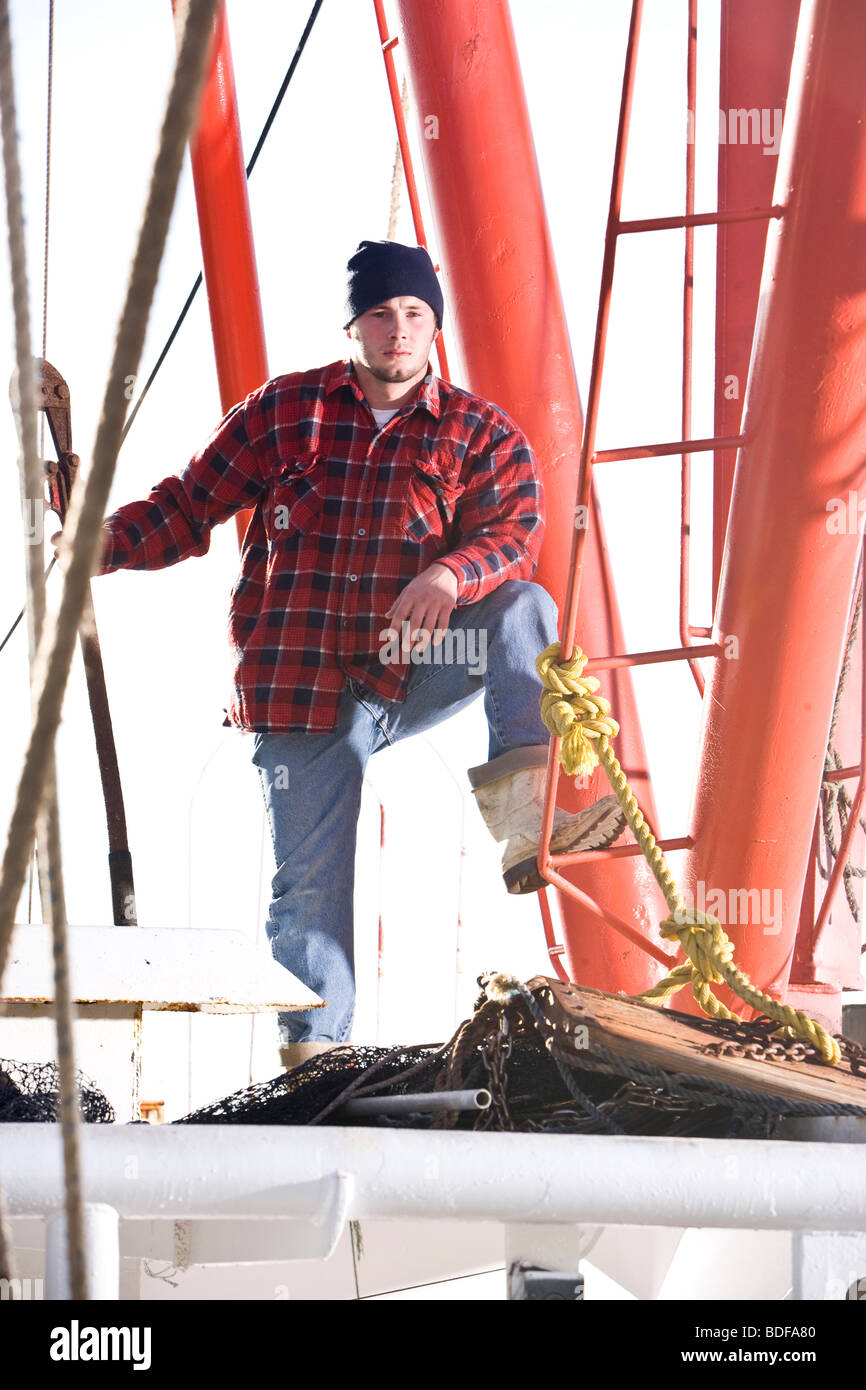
312, 784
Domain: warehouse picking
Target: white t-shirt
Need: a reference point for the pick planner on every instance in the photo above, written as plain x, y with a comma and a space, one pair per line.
383, 416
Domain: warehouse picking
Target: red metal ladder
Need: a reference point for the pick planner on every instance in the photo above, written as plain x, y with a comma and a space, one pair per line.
550, 864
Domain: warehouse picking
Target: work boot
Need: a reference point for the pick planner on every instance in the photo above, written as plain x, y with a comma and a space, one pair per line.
509, 791
293, 1055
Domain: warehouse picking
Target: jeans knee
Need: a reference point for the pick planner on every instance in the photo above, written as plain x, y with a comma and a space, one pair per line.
528, 603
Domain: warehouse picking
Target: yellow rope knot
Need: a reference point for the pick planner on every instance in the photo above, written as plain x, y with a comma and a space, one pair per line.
703, 940
574, 713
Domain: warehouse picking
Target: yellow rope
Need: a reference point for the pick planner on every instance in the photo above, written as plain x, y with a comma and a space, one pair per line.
573, 711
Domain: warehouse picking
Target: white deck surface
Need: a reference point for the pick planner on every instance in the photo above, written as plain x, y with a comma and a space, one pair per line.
199, 970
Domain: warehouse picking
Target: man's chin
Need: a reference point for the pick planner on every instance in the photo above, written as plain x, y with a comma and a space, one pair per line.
395, 372
398, 370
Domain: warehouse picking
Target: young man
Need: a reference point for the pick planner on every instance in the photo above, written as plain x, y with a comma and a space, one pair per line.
384, 585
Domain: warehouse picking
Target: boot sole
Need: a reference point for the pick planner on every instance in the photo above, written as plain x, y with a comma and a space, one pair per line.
595, 828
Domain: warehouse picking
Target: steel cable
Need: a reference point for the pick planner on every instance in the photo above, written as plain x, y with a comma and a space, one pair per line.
167, 345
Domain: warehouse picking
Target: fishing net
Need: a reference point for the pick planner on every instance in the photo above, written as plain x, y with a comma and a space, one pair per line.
30, 1092
523, 1049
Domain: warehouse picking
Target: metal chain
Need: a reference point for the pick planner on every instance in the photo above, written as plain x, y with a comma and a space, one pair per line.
760, 1040
564, 1062
495, 1054
694, 1087
774, 1052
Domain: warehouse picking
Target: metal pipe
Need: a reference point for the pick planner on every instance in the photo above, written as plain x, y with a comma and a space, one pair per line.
651, 451
688, 342
194, 1172
222, 200
842, 774
699, 219
555, 949
101, 1253
754, 65
423, 1103
587, 452
767, 713
609, 663
600, 914
586, 856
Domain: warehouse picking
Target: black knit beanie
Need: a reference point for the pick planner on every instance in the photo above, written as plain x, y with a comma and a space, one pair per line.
381, 270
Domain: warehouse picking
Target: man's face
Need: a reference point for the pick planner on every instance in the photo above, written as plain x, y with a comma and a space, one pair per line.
393, 339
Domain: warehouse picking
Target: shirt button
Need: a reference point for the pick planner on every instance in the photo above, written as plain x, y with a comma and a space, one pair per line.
353, 577
361, 531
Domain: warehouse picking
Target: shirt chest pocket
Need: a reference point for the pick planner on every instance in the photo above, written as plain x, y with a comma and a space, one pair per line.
295, 500
431, 502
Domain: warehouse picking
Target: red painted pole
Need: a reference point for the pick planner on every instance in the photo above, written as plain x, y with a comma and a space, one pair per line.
757, 42
508, 315
230, 274
791, 558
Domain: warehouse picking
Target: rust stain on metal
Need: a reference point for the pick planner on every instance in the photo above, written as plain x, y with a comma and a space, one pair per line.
470, 51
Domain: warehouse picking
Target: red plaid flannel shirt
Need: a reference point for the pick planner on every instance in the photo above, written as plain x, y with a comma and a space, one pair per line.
345, 515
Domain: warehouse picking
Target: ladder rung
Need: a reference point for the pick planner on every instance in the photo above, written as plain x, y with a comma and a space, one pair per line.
839, 774
697, 219
559, 861
610, 663
681, 446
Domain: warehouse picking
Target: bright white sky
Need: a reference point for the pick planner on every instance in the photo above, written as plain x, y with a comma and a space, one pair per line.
321, 185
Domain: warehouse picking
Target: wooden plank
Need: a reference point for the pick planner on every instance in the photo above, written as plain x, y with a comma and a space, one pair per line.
677, 1042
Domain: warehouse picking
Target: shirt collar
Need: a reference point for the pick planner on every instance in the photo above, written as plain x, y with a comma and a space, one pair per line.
343, 374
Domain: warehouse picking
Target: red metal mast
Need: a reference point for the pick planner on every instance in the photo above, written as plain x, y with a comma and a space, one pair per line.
229, 260
756, 47
508, 315
788, 572
757, 42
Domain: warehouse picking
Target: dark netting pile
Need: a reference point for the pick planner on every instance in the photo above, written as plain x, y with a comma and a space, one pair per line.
541, 1074
30, 1091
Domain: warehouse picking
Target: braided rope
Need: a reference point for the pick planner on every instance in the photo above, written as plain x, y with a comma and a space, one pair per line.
83, 530
82, 541
573, 712
48, 822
